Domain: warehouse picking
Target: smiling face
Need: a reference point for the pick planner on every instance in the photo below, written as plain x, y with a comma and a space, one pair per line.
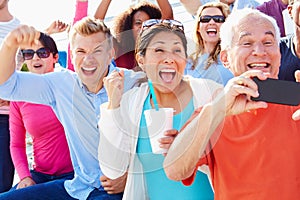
138, 19
91, 56
210, 32
41, 65
164, 61
254, 46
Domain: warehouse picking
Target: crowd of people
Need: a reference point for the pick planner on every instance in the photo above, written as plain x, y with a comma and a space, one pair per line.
91, 138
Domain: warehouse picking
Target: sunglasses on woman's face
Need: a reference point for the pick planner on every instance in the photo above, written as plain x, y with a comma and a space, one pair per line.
172, 23
41, 53
216, 18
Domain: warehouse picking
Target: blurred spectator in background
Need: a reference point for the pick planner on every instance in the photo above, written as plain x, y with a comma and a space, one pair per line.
205, 61
7, 23
127, 26
290, 45
274, 8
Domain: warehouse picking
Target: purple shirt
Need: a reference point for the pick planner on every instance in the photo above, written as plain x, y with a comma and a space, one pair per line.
274, 9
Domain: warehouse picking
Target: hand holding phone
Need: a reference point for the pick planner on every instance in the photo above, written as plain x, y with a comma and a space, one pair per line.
278, 91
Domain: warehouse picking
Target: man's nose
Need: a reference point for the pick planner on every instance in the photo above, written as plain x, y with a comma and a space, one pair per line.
259, 49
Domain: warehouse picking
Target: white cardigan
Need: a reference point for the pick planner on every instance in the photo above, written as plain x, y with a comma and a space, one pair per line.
119, 130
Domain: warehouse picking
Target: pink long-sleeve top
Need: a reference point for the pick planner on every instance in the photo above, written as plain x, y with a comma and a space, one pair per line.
50, 149
81, 10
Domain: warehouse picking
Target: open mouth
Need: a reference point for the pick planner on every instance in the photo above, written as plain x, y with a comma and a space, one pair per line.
89, 70
211, 32
258, 65
167, 75
37, 66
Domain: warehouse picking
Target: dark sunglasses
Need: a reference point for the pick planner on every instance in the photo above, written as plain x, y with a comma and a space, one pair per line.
172, 23
216, 18
41, 53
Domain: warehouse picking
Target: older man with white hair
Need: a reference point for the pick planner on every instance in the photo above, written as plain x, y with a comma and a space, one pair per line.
251, 147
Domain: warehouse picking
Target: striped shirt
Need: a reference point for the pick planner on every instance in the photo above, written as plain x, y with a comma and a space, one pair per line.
5, 28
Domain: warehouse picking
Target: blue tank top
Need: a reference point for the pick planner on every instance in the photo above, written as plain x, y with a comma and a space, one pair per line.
158, 186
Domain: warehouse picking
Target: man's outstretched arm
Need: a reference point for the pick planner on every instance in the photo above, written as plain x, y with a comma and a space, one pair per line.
19, 37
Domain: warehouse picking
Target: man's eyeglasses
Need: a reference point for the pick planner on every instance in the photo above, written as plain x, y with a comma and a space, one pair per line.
41, 53
216, 18
172, 23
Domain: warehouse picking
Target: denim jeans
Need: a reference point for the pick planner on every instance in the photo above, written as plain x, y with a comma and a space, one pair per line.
6, 164
53, 190
43, 178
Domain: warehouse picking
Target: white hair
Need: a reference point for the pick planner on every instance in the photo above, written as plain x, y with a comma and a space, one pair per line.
227, 29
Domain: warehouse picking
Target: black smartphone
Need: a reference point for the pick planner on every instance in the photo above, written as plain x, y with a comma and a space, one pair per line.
278, 91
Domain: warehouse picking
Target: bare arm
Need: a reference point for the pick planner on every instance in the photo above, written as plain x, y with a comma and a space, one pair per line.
102, 9
191, 142
191, 5
56, 26
166, 9
7, 64
19, 37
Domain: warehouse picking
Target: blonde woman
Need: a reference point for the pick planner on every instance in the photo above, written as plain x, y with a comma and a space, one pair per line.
205, 61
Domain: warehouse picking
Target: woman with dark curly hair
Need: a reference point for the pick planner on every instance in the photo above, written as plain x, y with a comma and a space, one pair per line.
127, 26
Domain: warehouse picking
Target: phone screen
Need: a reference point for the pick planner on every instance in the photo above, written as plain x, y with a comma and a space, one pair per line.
278, 91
